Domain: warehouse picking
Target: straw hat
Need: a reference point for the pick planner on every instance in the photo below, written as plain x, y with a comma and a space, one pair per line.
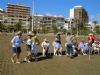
45, 39
19, 32
59, 33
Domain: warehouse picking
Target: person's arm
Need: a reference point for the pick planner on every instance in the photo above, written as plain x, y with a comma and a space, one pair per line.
37, 40
23, 41
72, 37
13, 41
42, 44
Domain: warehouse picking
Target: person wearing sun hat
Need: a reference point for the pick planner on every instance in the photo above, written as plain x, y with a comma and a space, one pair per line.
96, 47
16, 47
35, 42
45, 44
91, 38
58, 37
57, 47
28, 47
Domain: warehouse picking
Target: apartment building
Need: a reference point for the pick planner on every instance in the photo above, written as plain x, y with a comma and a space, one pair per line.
1, 15
79, 14
16, 13
48, 21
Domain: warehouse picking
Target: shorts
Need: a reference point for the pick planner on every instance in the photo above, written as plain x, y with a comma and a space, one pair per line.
16, 49
28, 47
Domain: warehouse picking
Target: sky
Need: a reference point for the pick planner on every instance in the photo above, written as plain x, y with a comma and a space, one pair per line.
59, 7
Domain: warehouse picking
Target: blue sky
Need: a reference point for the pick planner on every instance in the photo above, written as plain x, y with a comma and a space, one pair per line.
59, 7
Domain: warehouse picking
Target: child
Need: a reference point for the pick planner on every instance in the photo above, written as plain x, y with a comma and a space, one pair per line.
45, 45
28, 46
16, 42
57, 48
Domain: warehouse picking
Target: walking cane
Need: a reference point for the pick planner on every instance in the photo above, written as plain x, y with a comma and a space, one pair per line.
90, 52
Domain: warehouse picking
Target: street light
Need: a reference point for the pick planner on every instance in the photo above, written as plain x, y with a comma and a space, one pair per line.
77, 26
33, 16
77, 22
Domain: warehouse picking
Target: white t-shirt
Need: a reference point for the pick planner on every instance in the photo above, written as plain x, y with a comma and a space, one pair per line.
45, 44
29, 42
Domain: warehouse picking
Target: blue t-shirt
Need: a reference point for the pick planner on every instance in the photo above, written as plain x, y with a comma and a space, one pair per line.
16, 41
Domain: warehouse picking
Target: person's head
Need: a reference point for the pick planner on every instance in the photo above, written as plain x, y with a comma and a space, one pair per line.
75, 41
58, 33
19, 33
46, 40
68, 33
30, 34
34, 32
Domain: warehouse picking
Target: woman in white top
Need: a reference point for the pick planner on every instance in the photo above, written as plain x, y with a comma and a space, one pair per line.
45, 44
28, 47
16, 47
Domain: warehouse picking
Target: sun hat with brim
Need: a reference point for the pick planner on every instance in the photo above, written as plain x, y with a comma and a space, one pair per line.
59, 33
91, 34
45, 39
18, 33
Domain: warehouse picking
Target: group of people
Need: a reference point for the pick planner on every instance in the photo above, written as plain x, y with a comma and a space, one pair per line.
82, 48
31, 46
72, 47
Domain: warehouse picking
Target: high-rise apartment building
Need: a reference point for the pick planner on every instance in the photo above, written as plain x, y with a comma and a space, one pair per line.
1, 15
80, 14
16, 13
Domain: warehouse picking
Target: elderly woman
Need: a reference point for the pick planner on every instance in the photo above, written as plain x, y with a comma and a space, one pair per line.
16, 47
83, 47
35, 42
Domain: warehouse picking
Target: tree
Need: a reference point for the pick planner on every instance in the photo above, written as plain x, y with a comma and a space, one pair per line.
2, 26
97, 29
11, 28
73, 30
30, 20
95, 22
44, 29
54, 28
18, 26
83, 31
64, 31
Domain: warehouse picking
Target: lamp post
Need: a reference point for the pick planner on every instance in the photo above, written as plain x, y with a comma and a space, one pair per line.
77, 22
33, 16
77, 26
